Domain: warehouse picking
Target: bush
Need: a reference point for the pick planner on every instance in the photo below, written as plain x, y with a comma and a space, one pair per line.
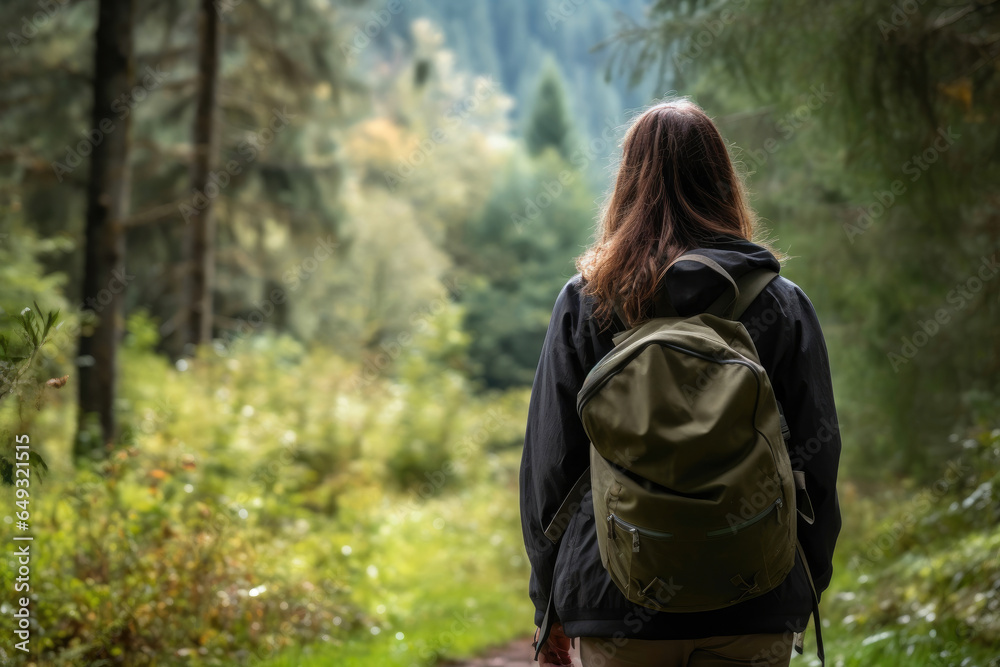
919, 571
216, 533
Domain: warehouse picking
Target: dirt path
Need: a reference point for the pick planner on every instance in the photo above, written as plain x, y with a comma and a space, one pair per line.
518, 653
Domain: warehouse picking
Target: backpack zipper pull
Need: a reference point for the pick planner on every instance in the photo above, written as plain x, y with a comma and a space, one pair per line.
635, 540
611, 526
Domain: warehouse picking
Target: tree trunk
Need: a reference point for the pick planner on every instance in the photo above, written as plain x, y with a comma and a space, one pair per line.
104, 277
201, 235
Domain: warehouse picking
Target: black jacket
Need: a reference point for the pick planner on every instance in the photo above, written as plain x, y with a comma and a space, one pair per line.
787, 335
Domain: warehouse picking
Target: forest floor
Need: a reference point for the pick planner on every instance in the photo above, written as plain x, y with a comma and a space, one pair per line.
517, 653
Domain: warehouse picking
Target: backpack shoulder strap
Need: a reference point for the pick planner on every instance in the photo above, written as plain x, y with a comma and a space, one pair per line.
729, 296
751, 285
817, 625
570, 504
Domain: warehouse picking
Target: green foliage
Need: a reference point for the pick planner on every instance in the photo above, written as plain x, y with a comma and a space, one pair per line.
512, 40
439, 577
515, 258
259, 504
332, 481
221, 591
548, 123
19, 379
33, 327
917, 570
870, 129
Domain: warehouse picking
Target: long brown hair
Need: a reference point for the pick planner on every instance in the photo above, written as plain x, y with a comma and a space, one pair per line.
676, 187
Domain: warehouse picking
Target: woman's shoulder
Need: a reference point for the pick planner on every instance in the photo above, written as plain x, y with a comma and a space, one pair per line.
572, 320
571, 297
789, 294
786, 302
574, 284
782, 292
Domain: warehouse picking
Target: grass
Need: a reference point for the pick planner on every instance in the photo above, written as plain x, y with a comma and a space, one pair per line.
449, 577
271, 512
917, 583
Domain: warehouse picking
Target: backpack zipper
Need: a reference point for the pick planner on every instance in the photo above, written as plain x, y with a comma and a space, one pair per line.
778, 502
597, 378
635, 531
620, 357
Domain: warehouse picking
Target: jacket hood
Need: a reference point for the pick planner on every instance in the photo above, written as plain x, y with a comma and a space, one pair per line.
693, 287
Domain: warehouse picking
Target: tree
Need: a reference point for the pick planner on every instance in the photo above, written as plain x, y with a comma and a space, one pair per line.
104, 276
440, 133
276, 175
517, 255
549, 124
893, 196
201, 232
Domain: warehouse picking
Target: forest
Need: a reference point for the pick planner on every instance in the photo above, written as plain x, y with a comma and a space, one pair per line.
274, 279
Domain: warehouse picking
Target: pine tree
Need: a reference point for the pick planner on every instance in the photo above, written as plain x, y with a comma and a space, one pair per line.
201, 241
901, 95
104, 276
549, 124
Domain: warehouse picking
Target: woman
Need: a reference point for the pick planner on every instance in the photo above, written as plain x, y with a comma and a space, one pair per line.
676, 191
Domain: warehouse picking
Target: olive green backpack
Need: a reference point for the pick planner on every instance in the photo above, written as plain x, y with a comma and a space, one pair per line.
694, 495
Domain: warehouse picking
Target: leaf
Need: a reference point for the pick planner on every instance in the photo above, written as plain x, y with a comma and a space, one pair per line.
27, 321
51, 319
36, 460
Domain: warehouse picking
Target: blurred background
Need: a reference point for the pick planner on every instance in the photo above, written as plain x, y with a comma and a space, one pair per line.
303, 255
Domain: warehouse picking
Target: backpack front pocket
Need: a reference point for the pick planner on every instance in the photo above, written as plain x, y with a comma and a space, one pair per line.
677, 553
625, 541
